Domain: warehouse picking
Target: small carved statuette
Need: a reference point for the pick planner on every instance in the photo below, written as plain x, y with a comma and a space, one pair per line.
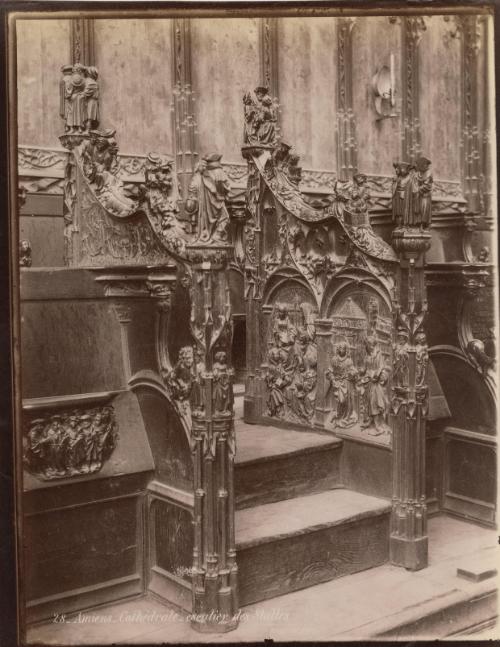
412, 194
374, 377
206, 201
197, 399
484, 255
180, 380
223, 392
25, 259
400, 375
70, 443
79, 98
342, 376
421, 359
261, 115
351, 201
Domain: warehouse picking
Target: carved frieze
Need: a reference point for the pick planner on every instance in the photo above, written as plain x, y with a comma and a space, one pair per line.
69, 443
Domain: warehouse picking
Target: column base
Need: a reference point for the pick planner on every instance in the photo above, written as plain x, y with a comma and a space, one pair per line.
213, 626
411, 554
252, 409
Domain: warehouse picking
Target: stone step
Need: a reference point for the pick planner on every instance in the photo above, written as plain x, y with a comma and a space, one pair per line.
293, 544
273, 464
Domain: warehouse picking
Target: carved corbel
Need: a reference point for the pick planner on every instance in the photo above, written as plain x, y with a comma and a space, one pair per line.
161, 292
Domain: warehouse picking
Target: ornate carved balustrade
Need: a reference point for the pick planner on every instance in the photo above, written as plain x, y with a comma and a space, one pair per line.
335, 314
143, 242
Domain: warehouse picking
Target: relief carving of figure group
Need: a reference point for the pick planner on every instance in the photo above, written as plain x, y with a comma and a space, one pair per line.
291, 373
70, 443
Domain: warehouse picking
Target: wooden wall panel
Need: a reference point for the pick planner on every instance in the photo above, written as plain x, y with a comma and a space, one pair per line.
81, 546
225, 61
70, 347
43, 47
379, 142
307, 63
133, 59
440, 97
45, 233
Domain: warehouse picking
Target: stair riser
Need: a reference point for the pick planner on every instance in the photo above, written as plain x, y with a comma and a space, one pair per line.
287, 477
275, 568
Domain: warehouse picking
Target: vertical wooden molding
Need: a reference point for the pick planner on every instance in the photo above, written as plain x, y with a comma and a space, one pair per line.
470, 27
347, 147
82, 41
268, 54
488, 106
183, 111
413, 29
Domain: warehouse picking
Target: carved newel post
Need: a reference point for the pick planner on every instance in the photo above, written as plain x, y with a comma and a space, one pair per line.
214, 579
410, 239
215, 602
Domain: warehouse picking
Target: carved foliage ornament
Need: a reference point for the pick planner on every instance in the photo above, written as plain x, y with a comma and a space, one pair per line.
69, 443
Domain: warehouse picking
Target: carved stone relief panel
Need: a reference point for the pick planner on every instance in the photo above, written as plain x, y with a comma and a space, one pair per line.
69, 443
360, 360
107, 240
290, 361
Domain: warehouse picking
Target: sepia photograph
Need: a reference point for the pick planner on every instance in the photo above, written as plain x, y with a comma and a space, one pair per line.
254, 319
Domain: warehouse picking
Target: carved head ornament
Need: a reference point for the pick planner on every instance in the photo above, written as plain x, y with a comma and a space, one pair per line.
261, 90
422, 163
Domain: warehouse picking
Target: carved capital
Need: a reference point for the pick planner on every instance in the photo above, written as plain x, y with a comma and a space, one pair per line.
123, 312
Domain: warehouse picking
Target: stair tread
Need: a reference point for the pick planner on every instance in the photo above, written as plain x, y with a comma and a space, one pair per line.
304, 514
259, 442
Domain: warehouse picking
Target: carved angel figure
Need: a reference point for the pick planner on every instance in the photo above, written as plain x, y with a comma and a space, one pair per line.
207, 196
260, 113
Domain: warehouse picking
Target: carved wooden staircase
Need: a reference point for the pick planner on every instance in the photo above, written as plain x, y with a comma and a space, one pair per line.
296, 523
